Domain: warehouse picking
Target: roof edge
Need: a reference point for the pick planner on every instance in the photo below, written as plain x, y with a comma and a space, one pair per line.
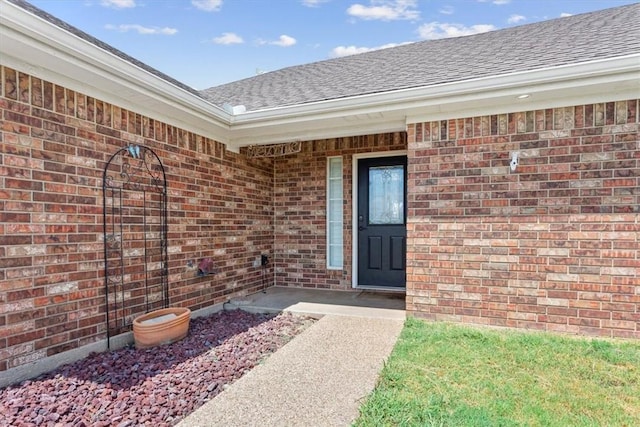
576, 84
518, 80
29, 40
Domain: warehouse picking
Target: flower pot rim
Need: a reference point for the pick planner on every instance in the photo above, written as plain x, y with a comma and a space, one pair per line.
178, 311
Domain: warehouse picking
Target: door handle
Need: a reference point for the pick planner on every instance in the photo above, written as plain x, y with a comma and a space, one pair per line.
361, 227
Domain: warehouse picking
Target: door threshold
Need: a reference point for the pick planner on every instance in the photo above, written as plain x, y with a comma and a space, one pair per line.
381, 289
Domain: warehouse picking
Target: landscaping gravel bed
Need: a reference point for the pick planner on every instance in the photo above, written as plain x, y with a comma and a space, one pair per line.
157, 386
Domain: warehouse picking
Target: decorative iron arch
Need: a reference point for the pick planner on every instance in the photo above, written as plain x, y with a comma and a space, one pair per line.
134, 193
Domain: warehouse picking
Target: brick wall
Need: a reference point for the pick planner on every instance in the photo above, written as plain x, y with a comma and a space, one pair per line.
300, 209
54, 144
553, 245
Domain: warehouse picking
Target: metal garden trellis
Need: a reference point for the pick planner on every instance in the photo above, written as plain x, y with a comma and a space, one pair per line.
135, 236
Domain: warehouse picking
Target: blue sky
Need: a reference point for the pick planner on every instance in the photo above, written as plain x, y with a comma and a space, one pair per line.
204, 43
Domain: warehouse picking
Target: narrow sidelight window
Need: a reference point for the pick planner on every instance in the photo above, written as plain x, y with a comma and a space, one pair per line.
334, 213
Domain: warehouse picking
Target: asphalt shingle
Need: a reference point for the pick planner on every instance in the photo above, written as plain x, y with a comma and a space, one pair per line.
580, 38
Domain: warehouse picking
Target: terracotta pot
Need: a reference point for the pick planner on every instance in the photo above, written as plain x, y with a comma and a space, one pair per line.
160, 327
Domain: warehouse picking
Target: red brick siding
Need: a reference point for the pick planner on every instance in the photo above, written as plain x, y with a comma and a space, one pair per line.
554, 245
300, 209
54, 144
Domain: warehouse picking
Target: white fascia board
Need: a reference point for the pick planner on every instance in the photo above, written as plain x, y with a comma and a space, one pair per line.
316, 129
592, 82
626, 68
27, 41
589, 82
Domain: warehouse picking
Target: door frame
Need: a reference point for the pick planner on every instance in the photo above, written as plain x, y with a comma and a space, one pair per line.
354, 209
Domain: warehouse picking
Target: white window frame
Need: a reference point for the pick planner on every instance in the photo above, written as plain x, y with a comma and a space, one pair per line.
331, 245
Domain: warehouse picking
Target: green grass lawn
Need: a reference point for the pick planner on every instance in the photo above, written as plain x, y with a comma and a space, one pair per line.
449, 375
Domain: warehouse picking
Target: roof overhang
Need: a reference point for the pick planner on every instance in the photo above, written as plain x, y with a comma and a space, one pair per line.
589, 82
36, 46
33, 45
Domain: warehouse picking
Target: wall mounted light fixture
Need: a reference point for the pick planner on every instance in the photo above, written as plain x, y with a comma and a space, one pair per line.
514, 161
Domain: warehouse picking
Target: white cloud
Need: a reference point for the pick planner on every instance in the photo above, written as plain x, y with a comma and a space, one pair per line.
123, 28
228, 38
565, 14
446, 10
341, 51
118, 4
283, 41
207, 5
499, 2
514, 19
385, 10
313, 3
442, 30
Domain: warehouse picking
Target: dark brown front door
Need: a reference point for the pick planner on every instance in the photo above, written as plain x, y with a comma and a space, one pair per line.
382, 231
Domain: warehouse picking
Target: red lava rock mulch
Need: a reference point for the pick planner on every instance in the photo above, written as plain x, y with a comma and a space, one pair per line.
157, 386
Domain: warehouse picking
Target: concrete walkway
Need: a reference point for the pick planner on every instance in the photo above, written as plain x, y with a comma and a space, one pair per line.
320, 378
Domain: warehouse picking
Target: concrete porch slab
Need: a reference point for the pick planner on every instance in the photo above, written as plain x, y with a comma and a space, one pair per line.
320, 302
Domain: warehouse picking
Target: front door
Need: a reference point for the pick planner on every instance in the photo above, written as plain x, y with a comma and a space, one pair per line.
382, 231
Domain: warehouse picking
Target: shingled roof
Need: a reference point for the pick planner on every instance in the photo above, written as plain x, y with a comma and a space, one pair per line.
580, 38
